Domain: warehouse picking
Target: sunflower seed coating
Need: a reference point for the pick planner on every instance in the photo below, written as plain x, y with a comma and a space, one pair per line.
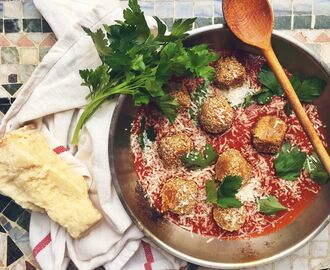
229, 73
179, 92
172, 148
230, 219
179, 196
268, 134
216, 115
232, 163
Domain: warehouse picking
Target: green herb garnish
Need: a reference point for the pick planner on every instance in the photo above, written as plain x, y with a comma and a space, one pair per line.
307, 90
267, 78
289, 162
146, 134
270, 205
197, 97
211, 191
316, 170
224, 196
288, 109
136, 63
142, 130
310, 89
195, 160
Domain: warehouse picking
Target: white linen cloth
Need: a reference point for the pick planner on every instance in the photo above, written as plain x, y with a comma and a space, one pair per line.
53, 98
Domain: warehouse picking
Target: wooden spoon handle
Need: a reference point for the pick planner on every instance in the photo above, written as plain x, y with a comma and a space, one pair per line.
297, 107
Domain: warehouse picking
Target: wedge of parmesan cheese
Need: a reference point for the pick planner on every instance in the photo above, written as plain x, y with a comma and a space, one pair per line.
37, 179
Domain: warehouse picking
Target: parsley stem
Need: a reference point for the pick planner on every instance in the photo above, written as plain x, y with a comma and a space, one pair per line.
127, 88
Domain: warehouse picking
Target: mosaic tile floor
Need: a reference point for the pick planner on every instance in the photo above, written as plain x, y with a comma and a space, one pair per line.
25, 38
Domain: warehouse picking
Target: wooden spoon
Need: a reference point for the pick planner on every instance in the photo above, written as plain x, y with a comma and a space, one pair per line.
252, 22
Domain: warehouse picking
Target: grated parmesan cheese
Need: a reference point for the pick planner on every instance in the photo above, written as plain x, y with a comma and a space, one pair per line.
236, 96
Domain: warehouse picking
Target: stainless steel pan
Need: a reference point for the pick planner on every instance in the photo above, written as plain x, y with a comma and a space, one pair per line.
230, 254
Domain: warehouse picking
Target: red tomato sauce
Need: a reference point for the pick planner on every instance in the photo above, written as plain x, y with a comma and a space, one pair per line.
296, 196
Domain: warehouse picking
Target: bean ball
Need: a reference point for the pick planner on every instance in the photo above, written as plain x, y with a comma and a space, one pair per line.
268, 134
172, 148
216, 115
232, 163
179, 196
229, 73
230, 219
179, 92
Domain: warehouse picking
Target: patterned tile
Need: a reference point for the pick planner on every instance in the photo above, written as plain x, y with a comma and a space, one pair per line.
13, 252
302, 22
24, 72
4, 201
29, 56
218, 8
168, 22
1, 9
282, 7
12, 78
12, 9
29, 10
12, 25
204, 9
323, 37
45, 27
146, 6
24, 220
322, 22
24, 41
13, 210
3, 248
184, 9
4, 42
218, 20
12, 88
321, 7
14, 37
302, 7
164, 9
49, 41
42, 52
29, 266
203, 22
282, 22
32, 25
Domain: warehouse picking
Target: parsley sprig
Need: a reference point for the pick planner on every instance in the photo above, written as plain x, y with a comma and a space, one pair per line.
195, 160
316, 169
289, 162
307, 90
224, 196
146, 134
270, 205
136, 63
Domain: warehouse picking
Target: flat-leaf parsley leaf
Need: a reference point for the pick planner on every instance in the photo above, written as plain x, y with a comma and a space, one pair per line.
224, 196
289, 162
196, 160
316, 170
270, 205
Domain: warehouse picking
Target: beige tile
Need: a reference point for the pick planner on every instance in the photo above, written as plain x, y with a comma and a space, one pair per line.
29, 56
319, 249
13, 9
325, 52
